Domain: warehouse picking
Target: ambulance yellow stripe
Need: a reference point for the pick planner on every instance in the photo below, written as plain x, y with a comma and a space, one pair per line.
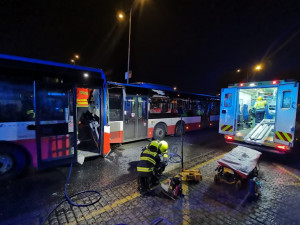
279, 136
287, 137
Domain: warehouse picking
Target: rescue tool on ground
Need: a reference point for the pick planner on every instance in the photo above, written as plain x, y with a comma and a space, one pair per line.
262, 115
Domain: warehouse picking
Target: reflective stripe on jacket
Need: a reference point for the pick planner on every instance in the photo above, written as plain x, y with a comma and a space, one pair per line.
82, 97
148, 161
260, 104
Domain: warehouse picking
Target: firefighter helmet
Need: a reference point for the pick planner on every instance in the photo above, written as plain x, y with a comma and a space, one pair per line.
163, 146
259, 98
153, 145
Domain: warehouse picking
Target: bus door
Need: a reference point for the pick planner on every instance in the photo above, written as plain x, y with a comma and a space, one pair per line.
286, 113
55, 131
135, 118
228, 111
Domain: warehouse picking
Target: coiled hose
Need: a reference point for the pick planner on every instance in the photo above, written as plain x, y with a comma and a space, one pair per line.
67, 198
173, 156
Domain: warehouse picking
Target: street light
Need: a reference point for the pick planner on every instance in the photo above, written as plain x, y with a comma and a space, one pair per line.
256, 68
121, 16
76, 57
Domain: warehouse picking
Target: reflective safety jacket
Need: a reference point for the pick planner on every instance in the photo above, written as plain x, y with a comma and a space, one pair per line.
82, 97
260, 104
148, 161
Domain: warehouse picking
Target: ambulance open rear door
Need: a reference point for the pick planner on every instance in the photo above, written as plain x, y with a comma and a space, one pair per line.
286, 115
228, 112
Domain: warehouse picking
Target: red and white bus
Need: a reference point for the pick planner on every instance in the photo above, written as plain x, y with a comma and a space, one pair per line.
38, 114
45, 122
141, 110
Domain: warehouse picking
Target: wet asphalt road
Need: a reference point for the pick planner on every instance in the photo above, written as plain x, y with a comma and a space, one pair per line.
41, 190
37, 192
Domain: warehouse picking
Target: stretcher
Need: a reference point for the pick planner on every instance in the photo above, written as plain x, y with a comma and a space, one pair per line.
238, 167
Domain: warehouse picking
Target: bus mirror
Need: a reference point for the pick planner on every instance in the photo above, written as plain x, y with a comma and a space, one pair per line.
180, 111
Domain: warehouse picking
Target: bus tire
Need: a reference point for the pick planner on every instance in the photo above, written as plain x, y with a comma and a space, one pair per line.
12, 161
159, 132
178, 128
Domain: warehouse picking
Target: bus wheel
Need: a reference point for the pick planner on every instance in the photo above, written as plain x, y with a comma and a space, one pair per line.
12, 161
178, 128
159, 132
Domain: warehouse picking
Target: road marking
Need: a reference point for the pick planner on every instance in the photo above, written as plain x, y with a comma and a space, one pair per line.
207, 162
287, 171
186, 220
137, 194
106, 208
289, 184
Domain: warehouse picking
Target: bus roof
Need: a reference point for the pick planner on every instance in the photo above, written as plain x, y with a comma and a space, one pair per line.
50, 63
159, 87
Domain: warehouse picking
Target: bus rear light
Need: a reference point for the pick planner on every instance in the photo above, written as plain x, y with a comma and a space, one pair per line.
241, 84
275, 82
229, 138
282, 147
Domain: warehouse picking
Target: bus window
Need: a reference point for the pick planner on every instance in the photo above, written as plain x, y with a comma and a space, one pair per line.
53, 106
115, 107
160, 105
16, 102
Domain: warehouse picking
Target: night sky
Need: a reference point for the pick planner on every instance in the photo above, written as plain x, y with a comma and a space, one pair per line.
195, 45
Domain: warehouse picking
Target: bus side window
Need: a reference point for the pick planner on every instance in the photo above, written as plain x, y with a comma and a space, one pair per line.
16, 102
115, 107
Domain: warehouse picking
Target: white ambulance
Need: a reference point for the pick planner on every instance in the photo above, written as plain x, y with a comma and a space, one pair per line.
261, 115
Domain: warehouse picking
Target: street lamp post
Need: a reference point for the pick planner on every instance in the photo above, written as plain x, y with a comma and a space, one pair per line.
129, 37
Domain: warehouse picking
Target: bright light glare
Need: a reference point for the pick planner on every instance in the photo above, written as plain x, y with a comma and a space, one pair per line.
121, 15
238, 70
86, 75
252, 84
258, 67
77, 56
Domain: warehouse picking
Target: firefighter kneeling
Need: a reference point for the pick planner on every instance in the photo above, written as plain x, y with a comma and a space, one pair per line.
150, 166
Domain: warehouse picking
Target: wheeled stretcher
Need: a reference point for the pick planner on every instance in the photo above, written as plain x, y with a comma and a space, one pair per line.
237, 167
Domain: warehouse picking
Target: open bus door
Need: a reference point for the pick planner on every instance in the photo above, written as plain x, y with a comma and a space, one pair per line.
286, 115
228, 111
55, 131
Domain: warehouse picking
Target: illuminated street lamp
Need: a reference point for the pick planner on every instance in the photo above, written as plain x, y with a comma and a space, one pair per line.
256, 68
121, 16
76, 57
175, 88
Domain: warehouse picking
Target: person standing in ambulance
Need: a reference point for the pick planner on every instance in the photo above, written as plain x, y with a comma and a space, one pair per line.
260, 107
